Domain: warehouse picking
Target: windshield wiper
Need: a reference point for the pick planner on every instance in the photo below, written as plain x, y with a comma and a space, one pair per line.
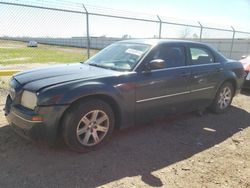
107, 67
97, 65
118, 69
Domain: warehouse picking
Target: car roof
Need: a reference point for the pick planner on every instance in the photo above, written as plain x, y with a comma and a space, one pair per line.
154, 42
159, 41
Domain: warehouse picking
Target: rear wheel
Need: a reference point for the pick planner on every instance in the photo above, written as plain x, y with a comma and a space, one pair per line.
223, 98
88, 125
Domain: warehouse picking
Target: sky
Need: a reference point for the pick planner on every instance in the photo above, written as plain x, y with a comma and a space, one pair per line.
220, 12
21, 21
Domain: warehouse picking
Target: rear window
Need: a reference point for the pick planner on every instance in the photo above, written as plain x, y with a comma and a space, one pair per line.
201, 56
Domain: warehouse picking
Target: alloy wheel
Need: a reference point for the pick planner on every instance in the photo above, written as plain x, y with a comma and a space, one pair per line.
92, 128
225, 97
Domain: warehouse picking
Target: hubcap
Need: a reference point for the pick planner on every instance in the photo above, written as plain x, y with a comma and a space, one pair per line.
92, 128
224, 98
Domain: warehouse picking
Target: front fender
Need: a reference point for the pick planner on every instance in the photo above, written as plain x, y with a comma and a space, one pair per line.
67, 94
90, 89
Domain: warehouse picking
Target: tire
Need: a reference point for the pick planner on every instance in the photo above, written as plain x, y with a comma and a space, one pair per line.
88, 125
223, 98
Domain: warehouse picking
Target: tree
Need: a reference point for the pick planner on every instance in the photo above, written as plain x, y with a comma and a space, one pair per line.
195, 36
126, 36
185, 33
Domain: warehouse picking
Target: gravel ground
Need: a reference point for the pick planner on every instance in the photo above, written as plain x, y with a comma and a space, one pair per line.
185, 151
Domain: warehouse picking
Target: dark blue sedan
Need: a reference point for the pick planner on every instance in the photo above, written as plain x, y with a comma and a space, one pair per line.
125, 83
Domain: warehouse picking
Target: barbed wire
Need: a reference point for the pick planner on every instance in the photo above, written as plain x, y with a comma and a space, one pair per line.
53, 23
98, 10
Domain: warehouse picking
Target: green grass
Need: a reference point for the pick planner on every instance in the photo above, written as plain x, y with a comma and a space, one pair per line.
18, 53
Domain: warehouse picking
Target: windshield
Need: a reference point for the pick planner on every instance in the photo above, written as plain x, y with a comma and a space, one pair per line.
119, 56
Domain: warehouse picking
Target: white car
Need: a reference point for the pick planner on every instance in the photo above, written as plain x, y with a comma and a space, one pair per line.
32, 44
245, 60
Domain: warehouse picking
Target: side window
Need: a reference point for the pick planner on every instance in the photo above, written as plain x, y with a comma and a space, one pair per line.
201, 56
174, 56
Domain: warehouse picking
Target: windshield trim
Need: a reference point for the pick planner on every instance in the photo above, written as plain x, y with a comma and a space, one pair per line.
143, 57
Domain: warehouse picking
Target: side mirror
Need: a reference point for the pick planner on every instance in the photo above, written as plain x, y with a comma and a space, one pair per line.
155, 64
243, 57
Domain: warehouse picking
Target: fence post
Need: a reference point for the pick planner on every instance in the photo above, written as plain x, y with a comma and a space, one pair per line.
87, 27
232, 43
201, 30
160, 26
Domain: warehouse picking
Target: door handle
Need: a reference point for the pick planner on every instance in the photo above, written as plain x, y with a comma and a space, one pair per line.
185, 74
198, 76
219, 69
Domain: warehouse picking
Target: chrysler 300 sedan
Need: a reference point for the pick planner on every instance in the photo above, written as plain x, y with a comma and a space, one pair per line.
126, 83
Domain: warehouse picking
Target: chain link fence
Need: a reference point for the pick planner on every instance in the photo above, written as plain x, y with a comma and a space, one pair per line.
72, 32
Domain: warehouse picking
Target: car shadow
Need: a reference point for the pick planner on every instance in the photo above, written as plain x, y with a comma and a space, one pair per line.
245, 92
137, 151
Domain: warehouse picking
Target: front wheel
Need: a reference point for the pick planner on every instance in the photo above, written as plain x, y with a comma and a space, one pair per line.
223, 98
88, 125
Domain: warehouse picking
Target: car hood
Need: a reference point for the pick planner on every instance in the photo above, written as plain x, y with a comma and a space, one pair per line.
38, 79
246, 63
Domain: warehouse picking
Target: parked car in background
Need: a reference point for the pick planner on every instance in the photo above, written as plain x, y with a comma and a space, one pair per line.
125, 83
32, 44
246, 64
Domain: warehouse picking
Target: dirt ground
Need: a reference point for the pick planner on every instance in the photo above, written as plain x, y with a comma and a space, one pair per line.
185, 151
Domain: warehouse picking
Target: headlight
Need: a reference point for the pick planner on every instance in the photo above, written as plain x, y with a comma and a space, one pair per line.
29, 99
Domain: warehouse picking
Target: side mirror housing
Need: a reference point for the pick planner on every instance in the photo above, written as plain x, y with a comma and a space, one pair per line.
155, 64
243, 57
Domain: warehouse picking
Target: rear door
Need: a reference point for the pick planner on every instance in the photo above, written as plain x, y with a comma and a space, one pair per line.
205, 75
163, 91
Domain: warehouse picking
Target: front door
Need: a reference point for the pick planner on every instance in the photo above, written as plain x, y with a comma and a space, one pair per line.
163, 91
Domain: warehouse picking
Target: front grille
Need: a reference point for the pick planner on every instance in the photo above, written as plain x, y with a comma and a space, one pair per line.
8, 105
12, 93
15, 90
